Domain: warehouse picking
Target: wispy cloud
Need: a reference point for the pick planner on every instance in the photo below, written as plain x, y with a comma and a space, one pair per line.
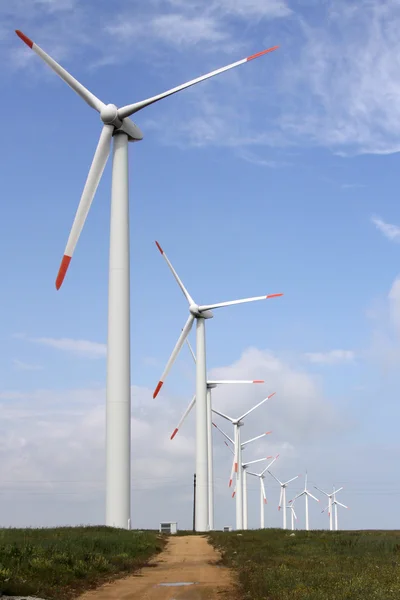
23, 366
391, 232
330, 358
346, 81
352, 186
83, 348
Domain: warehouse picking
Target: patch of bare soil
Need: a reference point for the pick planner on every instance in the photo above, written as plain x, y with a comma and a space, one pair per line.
187, 569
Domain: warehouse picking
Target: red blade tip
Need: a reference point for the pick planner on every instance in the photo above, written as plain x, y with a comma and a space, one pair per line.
258, 381
273, 296
273, 394
24, 38
265, 501
236, 467
233, 495
62, 270
230, 483
174, 434
159, 247
158, 388
253, 56
268, 432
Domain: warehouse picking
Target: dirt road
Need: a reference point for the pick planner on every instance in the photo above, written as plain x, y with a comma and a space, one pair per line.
185, 570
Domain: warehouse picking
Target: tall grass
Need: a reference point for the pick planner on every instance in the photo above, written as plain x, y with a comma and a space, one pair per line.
60, 563
273, 565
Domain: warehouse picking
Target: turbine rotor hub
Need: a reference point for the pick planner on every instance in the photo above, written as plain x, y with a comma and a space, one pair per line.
109, 115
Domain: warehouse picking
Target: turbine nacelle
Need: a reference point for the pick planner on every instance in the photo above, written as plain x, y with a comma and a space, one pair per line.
196, 311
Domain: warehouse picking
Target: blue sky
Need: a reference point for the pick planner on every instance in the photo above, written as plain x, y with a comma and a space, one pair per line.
279, 176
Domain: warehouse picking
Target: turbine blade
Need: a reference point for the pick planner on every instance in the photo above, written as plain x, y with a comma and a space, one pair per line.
95, 172
295, 516
232, 470
232, 302
271, 463
280, 498
84, 93
175, 352
185, 414
231, 451
322, 491
234, 381
336, 491
340, 504
258, 437
298, 496
223, 433
276, 479
130, 109
175, 274
252, 462
256, 406
191, 351
311, 496
220, 414
326, 508
293, 478
263, 490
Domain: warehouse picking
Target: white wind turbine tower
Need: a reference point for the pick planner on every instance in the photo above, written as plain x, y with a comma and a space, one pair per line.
116, 123
306, 494
329, 508
336, 503
237, 459
282, 498
263, 496
200, 314
210, 385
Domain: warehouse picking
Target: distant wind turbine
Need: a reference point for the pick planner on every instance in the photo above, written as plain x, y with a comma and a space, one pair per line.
306, 494
282, 498
211, 384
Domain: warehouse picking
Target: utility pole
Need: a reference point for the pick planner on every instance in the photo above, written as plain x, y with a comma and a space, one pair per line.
194, 502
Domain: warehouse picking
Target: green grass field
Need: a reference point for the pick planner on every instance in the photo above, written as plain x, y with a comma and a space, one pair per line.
272, 565
60, 563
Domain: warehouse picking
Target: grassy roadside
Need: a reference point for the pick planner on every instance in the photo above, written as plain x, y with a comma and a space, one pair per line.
272, 565
63, 562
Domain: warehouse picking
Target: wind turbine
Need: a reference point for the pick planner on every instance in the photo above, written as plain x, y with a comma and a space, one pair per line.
282, 498
210, 385
245, 471
116, 123
293, 514
329, 508
263, 496
237, 459
199, 314
306, 494
261, 475
336, 503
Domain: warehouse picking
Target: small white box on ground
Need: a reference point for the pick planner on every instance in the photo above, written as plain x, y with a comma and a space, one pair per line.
170, 527
227, 528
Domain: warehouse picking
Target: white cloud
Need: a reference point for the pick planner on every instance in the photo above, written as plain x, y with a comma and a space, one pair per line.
61, 459
83, 348
346, 81
23, 366
391, 232
330, 358
249, 9
299, 410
